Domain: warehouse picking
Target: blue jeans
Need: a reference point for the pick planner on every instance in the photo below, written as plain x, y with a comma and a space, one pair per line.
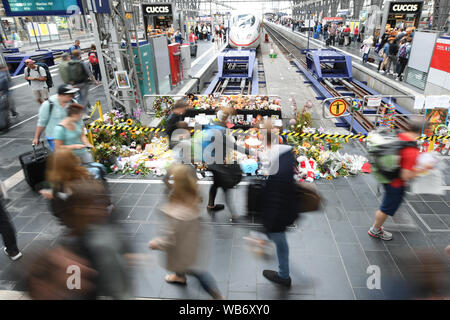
365, 56
51, 143
279, 238
207, 282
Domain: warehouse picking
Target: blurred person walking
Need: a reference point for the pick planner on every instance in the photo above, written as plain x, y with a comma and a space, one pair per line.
63, 169
52, 112
84, 208
182, 238
6, 106
8, 234
226, 175
70, 133
279, 203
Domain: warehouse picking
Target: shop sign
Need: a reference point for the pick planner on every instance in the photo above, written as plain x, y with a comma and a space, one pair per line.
405, 7
157, 9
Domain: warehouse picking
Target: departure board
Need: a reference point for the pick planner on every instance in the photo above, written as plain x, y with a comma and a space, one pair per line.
41, 7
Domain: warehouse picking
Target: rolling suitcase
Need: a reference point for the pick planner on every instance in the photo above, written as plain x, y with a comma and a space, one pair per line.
193, 50
34, 165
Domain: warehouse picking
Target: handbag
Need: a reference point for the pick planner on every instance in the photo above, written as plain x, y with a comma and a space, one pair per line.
308, 199
381, 52
228, 175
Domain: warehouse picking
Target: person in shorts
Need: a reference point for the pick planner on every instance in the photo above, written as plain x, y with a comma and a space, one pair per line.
37, 77
394, 191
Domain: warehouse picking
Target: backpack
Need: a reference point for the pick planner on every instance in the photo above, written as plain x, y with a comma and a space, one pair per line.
393, 49
384, 148
76, 71
48, 75
93, 58
402, 52
201, 140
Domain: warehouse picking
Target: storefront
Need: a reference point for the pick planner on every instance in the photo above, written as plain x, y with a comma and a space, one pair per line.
159, 18
402, 14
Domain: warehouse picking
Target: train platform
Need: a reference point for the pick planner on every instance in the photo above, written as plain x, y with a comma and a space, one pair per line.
385, 84
330, 249
354, 50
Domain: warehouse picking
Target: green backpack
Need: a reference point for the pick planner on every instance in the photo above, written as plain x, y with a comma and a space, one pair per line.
76, 71
384, 148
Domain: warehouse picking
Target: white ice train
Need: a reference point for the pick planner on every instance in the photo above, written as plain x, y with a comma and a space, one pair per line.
245, 31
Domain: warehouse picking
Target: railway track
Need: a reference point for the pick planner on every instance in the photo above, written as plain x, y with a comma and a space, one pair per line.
293, 52
235, 86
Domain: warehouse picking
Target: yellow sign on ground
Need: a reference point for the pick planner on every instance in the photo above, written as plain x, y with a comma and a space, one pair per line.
338, 107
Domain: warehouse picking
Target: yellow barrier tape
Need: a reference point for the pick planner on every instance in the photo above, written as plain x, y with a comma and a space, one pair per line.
240, 131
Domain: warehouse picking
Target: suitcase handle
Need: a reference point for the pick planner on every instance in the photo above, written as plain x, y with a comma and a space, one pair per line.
43, 147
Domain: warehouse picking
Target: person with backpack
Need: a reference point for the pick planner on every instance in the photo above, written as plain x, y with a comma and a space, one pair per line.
80, 75
226, 175
393, 51
393, 174
63, 67
52, 112
93, 60
403, 56
37, 78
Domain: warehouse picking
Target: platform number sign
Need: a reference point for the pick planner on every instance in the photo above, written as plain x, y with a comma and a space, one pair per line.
338, 107
100, 6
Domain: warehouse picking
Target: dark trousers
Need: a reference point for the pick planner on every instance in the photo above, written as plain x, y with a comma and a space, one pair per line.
213, 193
7, 230
206, 281
332, 40
402, 62
96, 72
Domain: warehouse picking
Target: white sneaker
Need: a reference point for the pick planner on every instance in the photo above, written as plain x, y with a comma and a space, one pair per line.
382, 71
383, 235
15, 256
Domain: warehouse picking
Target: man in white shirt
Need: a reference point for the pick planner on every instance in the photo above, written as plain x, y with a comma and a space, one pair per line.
37, 78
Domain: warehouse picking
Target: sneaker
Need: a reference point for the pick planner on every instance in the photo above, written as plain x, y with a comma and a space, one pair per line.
380, 233
13, 255
217, 207
382, 71
274, 277
14, 115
